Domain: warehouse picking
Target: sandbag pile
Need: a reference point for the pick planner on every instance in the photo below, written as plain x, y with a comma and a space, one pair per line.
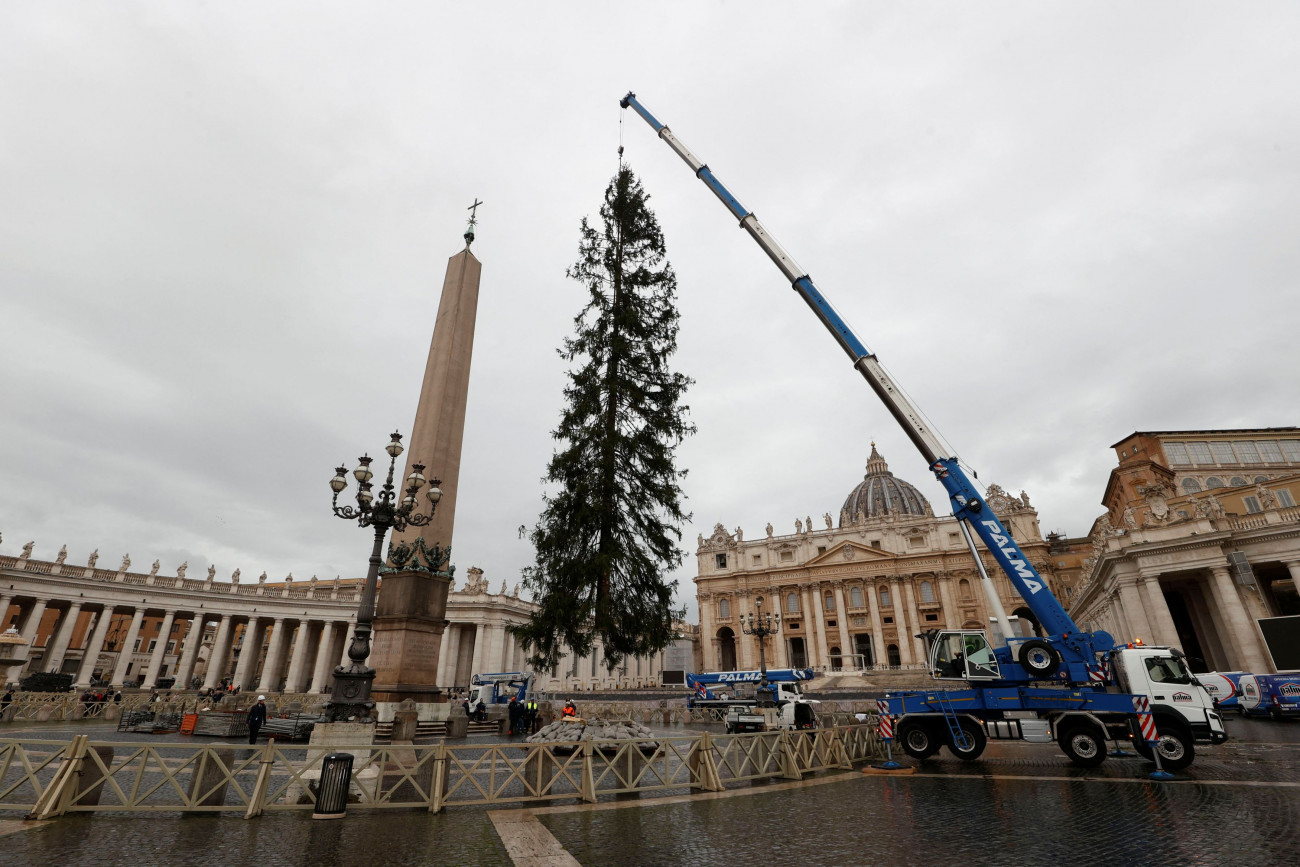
576, 729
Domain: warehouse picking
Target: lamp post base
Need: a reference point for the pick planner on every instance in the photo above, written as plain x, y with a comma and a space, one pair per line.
351, 695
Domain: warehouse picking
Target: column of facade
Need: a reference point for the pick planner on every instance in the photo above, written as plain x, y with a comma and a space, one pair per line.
270, 679
91, 654
31, 624
878, 655
324, 654
780, 649
809, 633
5, 601
1292, 566
62, 637
190, 652
443, 646
128, 648
709, 659
449, 654
497, 648
1242, 635
249, 651
298, 661
842, 619
918, 645
1134, 610
344, 659
901, 626
159, 651
819, 625
220, 653
1163, 630
951, 613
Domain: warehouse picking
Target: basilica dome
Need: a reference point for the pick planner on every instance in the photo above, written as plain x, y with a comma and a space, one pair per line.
881, 494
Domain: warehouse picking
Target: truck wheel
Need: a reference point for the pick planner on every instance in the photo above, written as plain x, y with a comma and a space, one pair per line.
1082, 744
1175, 745
975, 737
917, 739
1039, 658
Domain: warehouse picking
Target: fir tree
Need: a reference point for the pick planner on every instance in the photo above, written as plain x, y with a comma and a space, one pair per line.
609, 532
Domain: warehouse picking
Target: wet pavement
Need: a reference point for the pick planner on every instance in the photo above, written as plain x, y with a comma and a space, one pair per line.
1021, 803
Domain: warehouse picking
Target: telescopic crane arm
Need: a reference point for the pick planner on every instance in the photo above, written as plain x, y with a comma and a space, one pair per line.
967, 503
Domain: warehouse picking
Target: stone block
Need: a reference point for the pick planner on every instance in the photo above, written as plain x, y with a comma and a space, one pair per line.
92, 776
208, 779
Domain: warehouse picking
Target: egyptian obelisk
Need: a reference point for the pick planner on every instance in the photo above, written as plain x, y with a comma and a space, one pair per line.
410, 615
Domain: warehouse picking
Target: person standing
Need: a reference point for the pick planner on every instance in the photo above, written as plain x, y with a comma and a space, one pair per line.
256, 718
514, 711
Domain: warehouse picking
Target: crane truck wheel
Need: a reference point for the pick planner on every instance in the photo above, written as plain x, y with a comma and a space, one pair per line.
1039, 658
919, 739
1177, 750
1082, 744
976, 740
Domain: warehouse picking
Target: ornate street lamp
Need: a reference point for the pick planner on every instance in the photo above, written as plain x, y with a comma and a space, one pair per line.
351, 693
761, 625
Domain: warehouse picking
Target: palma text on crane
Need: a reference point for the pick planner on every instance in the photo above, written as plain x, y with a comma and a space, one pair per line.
1013, 555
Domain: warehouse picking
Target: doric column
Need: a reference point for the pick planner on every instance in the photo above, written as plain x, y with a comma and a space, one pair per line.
31, 624
1134, 611
220, 653
128, 647
878, 655
320, 676
809, 631
1242, 635
708, 661
1163, 630
190, 654
480, 645
298, 661
448, 655
249, 650
919, 649
951, 615
1292, 566
496, 648
819, 625
842, 619
901, 626
5, 600
270, 681
159, 651
443, 646
90, 655
62, 637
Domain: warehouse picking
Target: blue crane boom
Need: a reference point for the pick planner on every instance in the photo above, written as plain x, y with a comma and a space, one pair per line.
1075, 649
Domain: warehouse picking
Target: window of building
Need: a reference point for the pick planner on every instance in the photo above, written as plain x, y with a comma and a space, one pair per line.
821, 549
1176, 453
932, 618
1069, 592
1213, 482
927, 591
828, 602
875, 543
175, 627
1247, 452
963, 589
916, 542
855, 597
1236, 481
721, 560
954, 538
757, 558
1191, 486
724, 609
153, 642
787, 556
1252, 505
1199, 453
171, 647
792, 603
1284, 498
884, 597
1259, 480
1269, 451
831, 624
1291, 450
887, 619
137, 646
1223, 453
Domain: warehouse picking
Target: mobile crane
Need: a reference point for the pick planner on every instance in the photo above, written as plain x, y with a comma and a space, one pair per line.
777, 702
1061, 679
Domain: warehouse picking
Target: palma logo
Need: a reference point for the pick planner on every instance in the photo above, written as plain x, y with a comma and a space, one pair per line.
1289, 691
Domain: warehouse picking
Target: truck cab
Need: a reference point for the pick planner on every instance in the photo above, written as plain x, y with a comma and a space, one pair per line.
963, 654
1178, 701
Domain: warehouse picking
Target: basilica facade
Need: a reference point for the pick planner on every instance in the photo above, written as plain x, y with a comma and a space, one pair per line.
858, 590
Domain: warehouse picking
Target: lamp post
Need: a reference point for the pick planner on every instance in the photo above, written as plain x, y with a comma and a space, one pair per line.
761, 625
351, 692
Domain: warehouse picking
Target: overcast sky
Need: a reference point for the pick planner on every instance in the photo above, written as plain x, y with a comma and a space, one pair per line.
224, 227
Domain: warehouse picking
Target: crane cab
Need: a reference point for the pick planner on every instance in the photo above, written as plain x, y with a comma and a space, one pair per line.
963, 655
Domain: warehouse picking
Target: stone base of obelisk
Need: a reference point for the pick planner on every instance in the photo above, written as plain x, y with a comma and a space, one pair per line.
409, 621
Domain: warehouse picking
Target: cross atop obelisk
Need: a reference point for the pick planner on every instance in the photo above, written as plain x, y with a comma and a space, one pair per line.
473, 221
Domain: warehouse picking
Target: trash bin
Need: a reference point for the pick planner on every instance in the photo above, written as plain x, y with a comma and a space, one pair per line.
332, 792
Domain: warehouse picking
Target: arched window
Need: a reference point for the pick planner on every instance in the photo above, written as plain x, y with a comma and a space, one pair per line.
927, 591
855, 597
963, 588
829, 602
792, 603
895, 659
1214, 482
1191, 486
1236, 482
1259, 480
884, 597
724, 609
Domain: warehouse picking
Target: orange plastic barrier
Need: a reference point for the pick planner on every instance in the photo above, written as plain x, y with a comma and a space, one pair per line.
188, 722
